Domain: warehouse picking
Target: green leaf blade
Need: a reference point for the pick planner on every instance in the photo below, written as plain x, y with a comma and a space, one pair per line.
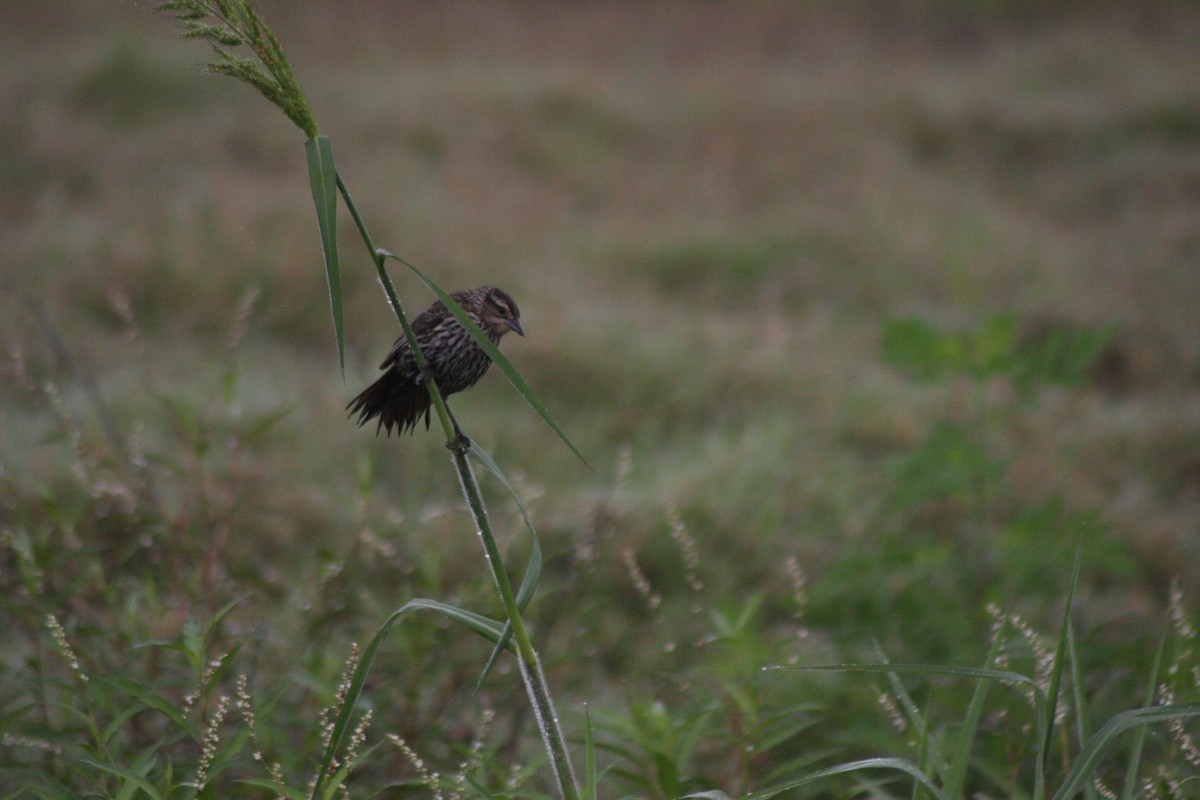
1090, 756
323, 178
890, 764
488, 628
128, 775
532, 572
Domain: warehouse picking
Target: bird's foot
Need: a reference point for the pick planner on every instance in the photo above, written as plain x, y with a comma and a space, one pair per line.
460, 443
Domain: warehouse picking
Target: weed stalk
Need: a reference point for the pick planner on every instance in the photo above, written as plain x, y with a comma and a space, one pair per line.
272, 76
531, 671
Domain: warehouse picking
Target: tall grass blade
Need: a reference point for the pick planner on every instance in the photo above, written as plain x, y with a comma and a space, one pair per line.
589, 752
1040, 706
916, 719
1046, 733
336, 782
490, 465
1090, 756
789, 731
929, 756
215, 621
494, 353
484, 793
524, 595
1080, 715
960, 756
1139, 738
906, 702
1002, 675
274, 788
532, 572
128, 775
894, 764
151, 700
323, 178
488, 628
59, 792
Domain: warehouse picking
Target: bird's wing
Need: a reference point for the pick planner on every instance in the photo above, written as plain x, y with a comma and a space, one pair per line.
400, 356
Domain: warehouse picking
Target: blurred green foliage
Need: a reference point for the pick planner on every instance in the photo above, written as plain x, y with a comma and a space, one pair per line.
1061, 354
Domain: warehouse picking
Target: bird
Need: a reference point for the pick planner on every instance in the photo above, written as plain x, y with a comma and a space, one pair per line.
455, 361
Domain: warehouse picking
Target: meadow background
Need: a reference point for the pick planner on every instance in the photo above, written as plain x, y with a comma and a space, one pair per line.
716, 218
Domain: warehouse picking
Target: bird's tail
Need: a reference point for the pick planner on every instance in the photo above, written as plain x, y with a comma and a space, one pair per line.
395, 401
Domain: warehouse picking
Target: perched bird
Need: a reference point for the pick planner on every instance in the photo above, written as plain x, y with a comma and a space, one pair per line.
453, 358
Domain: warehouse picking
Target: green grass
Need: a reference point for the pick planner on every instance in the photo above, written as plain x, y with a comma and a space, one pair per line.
709, 222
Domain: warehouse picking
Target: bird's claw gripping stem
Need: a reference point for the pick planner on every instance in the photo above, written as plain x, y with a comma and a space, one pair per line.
460, 443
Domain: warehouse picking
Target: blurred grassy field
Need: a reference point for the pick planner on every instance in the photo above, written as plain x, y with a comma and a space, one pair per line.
707, 213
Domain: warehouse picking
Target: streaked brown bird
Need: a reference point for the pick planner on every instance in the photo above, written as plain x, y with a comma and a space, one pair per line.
455, 360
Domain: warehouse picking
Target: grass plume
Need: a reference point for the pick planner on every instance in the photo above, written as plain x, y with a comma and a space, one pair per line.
229, 24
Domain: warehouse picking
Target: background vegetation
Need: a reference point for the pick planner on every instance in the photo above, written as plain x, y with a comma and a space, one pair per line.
864, 314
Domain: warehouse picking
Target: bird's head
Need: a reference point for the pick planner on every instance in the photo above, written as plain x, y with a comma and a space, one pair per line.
500, 313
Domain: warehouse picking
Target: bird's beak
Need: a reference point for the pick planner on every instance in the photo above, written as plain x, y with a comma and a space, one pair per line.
515, 325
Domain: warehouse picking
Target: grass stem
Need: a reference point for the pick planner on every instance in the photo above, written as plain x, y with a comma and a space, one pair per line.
531, 672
